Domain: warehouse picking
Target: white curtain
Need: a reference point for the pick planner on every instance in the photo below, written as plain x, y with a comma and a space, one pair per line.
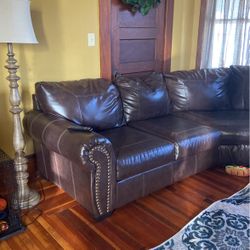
226, 35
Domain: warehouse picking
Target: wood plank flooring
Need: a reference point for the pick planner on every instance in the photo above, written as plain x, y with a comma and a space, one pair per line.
142, 224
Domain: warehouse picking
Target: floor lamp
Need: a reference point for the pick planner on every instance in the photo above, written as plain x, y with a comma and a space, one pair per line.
16, 27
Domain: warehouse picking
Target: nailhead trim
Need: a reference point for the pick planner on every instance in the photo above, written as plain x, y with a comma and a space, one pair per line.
104, 151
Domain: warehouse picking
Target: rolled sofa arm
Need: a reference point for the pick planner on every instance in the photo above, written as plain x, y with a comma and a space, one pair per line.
89, 150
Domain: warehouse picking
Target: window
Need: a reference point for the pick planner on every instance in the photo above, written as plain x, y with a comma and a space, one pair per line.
226, 33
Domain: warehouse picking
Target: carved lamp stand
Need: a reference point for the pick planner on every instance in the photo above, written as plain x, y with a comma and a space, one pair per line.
16, 27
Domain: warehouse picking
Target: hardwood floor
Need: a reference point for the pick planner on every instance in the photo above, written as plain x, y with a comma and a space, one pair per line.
142, 224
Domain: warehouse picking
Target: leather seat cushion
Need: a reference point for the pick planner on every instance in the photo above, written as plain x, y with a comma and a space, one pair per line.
234, 125
137, 151
189, 138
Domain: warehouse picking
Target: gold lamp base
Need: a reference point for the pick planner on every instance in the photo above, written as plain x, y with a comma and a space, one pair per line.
27, 198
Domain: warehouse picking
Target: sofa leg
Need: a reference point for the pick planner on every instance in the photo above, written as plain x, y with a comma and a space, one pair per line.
102, 217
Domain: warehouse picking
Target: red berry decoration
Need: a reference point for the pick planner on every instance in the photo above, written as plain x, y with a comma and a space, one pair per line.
3, 204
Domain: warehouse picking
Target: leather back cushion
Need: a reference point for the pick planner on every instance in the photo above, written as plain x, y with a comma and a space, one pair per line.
205, 89
89, 102
200, 74
144, 97
239, 87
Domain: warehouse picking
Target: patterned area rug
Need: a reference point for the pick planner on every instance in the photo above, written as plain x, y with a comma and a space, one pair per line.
225, 225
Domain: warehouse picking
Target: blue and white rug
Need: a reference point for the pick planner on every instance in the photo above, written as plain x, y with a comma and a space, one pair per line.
225, 225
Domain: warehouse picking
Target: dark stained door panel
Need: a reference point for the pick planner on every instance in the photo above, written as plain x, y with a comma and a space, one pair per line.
133, 43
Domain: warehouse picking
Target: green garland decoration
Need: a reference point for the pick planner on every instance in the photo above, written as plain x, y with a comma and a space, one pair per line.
143, 6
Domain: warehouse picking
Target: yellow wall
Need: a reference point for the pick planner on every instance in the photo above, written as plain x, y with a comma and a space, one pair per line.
185, 34
61, 27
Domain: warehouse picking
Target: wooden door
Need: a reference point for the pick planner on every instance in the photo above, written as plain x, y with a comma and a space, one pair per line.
132, 43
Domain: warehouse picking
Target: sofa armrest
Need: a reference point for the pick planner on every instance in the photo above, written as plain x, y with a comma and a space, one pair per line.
91, 151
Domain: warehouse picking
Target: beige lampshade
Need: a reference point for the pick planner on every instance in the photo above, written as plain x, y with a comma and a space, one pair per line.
15, 22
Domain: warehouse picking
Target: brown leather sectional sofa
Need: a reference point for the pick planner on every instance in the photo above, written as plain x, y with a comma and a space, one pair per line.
108, 144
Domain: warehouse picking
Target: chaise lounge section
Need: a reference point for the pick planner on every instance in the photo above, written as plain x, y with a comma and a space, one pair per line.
230, 117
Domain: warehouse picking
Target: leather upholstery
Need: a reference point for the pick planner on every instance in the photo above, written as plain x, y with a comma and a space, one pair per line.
239, 87
137, 151
198, 94
234, 125
68, 175
198, 91
35, 103
91, 153
90, 102
149, 181
199, 74
189, 138
143, 98
234, 154
108, 169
